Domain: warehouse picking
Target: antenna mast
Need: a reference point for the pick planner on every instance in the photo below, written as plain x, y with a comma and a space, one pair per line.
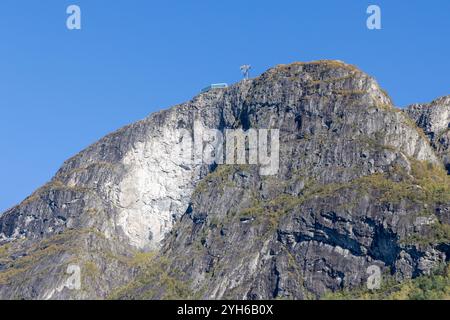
245, 69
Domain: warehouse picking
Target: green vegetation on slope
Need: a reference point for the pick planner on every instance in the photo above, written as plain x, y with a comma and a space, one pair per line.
153, 282
432, 287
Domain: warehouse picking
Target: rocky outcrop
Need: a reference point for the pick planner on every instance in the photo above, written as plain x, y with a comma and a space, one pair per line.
434, 120
358, 184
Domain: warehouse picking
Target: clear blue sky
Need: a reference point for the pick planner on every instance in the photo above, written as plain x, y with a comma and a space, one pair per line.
61, 90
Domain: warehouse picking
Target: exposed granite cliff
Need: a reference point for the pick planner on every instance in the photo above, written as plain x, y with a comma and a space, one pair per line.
359, 184
434, 119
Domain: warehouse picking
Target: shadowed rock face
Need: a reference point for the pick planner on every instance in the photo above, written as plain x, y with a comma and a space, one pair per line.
353, 190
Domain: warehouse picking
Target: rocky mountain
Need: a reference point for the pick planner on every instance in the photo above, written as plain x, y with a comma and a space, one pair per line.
359, 183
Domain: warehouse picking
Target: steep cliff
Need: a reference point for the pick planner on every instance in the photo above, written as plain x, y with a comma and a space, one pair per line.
434, 119
358, 184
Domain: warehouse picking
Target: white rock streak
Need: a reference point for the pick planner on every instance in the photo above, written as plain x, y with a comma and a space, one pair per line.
156, 190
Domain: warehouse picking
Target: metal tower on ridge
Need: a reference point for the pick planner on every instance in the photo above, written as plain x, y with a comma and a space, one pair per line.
245, 69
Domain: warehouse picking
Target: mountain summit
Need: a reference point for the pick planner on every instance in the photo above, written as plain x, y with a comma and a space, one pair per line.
359, 184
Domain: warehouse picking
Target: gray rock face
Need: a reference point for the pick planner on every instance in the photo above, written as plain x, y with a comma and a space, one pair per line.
353, 190
434, 119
